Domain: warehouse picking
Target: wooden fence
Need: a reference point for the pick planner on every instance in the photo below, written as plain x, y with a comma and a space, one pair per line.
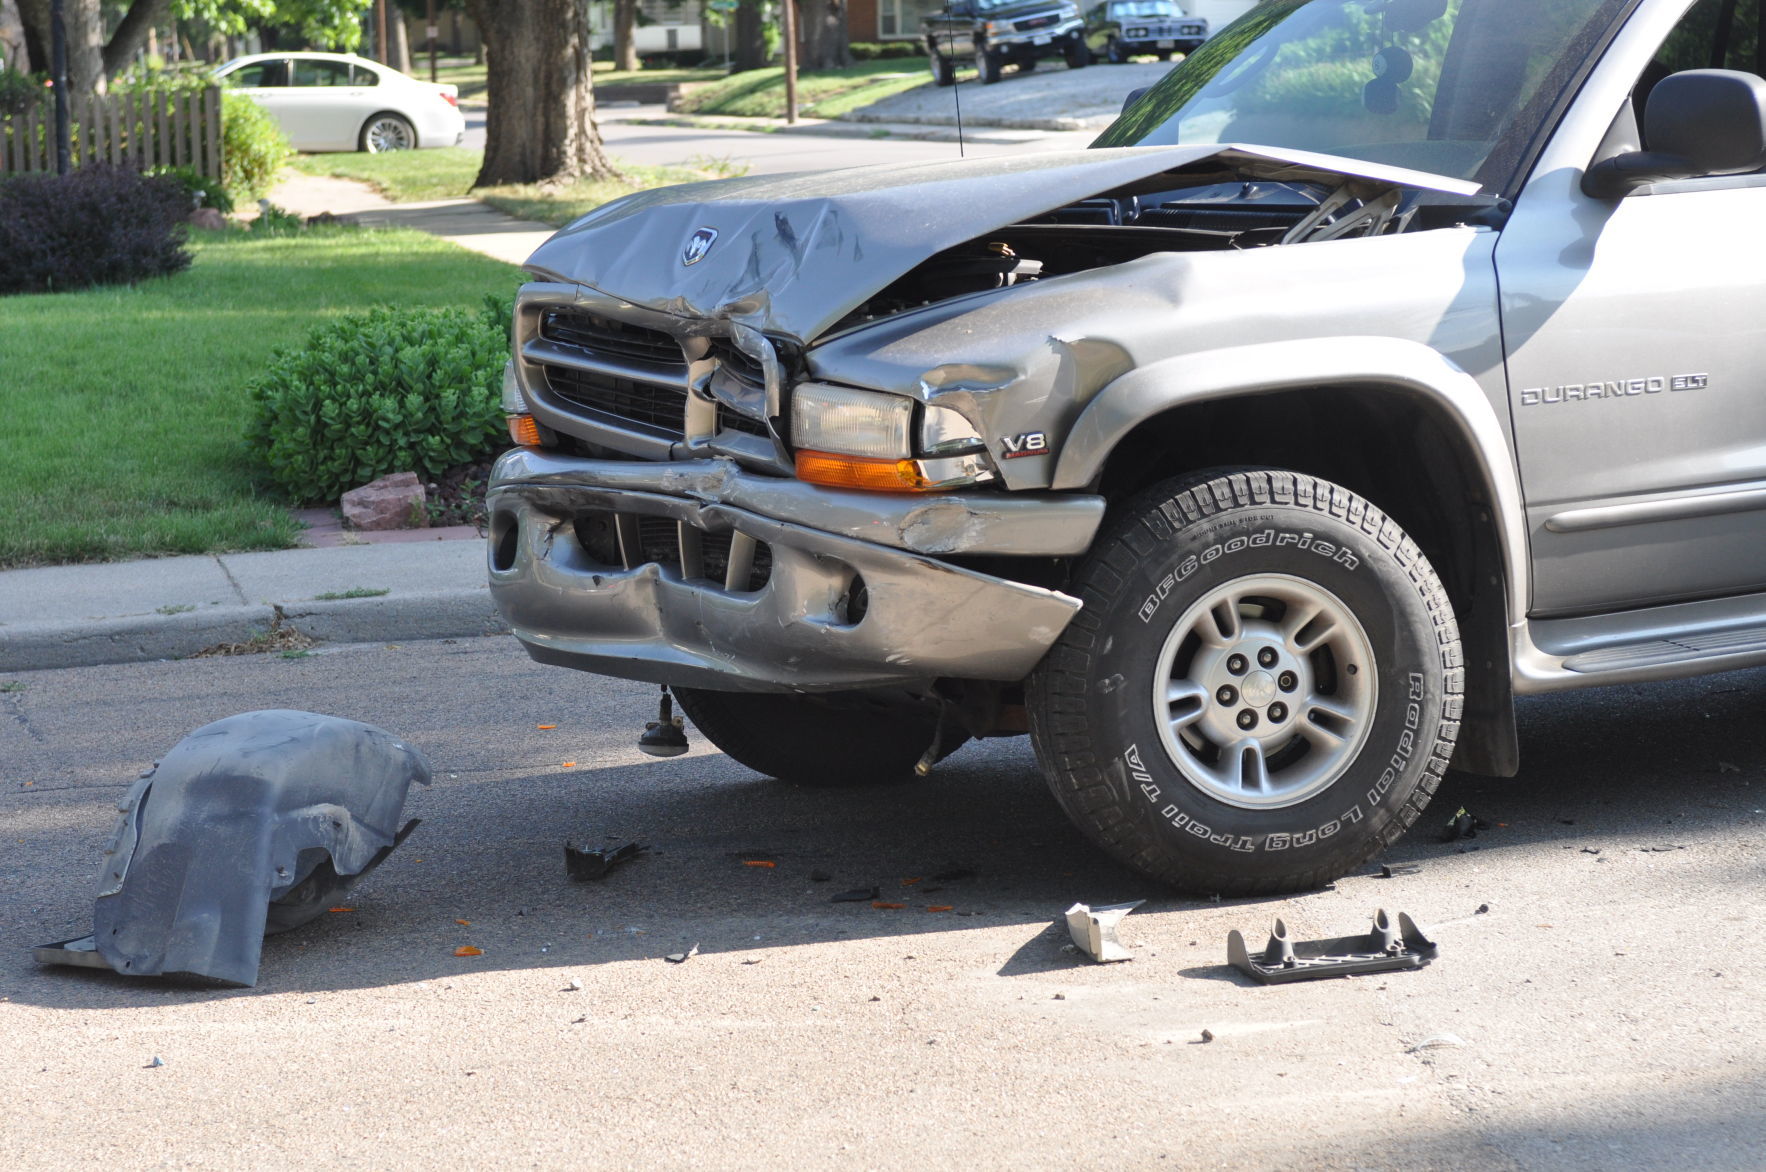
139, 130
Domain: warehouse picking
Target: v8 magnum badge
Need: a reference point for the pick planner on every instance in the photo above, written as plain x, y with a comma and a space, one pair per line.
698, 246
1030, 443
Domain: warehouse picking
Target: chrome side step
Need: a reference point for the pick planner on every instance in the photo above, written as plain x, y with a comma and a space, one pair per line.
1655, 643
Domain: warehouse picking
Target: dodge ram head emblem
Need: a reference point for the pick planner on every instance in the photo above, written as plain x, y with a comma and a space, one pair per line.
698, 246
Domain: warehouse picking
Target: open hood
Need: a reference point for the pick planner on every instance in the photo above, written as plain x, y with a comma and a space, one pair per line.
793, 254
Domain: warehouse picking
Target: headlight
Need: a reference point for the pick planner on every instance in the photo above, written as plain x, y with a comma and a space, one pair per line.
1136, 34
514, 402
851, 423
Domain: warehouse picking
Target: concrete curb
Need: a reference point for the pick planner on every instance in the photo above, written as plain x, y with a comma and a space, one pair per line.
448, 614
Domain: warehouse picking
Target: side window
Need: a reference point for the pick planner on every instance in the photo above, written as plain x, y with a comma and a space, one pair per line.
361, 76
321, 73
259, 75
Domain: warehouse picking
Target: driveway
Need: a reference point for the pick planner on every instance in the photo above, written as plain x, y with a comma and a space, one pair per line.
1052, 98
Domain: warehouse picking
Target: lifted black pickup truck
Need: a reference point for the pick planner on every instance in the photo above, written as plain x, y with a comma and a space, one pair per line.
997, 33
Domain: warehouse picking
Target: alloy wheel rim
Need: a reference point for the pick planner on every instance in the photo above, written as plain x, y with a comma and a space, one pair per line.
1264, 691
389, 135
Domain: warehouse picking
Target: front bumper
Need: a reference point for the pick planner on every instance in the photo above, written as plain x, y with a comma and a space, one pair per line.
576, 572
1040, 38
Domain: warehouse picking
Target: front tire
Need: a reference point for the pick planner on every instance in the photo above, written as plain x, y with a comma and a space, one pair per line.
840, 739
1076, 54
944, 70
989, 64
1262, 690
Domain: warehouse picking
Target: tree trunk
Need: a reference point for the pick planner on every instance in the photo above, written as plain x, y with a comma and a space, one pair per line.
750, 37
34, 15
625, 44
85, 46
398, 39
825, 36
539, 93
131, 34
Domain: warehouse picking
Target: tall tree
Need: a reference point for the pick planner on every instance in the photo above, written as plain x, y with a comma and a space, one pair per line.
750, 36
625, 44
539, 93
826, 41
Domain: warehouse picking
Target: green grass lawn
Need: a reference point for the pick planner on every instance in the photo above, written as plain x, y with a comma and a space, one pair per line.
471, 78
760, 93
125, 406
448, 172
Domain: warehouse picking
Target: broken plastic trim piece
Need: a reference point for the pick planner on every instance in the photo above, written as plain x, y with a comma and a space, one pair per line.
1384, 949
593, 862
1094, 930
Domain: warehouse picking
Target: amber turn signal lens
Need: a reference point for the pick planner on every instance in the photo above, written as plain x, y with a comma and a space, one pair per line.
524, 431
865, 472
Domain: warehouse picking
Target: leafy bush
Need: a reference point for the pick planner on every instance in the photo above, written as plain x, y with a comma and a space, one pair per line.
199, 189
97, 225
412, 390
276, 221
253, 147
880, 50
20, 91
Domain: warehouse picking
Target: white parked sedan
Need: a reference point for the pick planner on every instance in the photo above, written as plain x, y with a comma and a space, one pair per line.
341, 102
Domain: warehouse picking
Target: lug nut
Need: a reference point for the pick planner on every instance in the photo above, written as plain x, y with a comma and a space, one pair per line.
1277, 713
1266, 657
1236, 664
1287, 681
1247, 719
1227, 694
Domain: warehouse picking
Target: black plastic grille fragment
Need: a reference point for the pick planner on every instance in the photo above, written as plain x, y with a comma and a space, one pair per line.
610, 337
659, 538
652, 406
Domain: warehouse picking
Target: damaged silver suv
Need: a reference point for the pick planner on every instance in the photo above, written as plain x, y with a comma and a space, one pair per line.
1386, 360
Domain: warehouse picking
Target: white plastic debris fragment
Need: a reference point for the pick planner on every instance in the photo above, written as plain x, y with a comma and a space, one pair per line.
1094, 930
1439, 1042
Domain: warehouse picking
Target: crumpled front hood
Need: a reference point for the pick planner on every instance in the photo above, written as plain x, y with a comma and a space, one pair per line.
793, 254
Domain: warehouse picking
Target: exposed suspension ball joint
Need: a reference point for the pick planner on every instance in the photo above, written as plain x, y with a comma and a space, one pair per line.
665, 736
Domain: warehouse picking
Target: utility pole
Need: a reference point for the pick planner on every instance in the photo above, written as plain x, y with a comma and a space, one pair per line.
58, 67
433, 30
790, 30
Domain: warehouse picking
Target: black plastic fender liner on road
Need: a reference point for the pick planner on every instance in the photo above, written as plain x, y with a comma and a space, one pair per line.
1262, 689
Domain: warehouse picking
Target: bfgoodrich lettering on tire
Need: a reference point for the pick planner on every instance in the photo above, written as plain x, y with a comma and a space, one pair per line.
1262, 690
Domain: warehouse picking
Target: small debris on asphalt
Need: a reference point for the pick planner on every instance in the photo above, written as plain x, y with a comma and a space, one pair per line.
1094, 930
1660, 850
462, 923
819, 876
1482, 908
1391, 944
1726, 767
1462, 825
1591, 850
579, 1021
856, 895
468, 950
953, 875
575, 986
1439, 1042
545, 727
154, 1065
593, 862
885, 905
1566, 822
911, 882
766, 863
336, 910
1207, 1036
1060, 997
751, 962
1393, 870
682, 957
939, 907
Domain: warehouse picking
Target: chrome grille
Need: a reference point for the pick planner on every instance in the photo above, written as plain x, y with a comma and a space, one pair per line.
1037, 22
666, 543
605, 335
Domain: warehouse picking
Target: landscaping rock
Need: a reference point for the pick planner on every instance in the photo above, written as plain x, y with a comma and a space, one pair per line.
209, 218
395, 501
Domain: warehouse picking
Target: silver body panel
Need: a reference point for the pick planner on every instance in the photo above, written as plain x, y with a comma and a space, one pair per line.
1623, 520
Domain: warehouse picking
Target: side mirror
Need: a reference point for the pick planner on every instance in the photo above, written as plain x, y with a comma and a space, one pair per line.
1699, 122
1133, 97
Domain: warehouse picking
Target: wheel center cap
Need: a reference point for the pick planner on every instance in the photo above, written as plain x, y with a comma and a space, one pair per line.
1258, 689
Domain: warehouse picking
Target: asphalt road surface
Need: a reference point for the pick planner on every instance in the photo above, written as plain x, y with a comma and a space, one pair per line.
1603, 1012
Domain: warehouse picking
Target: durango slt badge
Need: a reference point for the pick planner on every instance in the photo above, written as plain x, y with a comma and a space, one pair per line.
698, 246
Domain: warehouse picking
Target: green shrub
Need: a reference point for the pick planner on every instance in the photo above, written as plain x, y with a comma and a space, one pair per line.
276, 221
253, 147
20, 91
390, 390
203, 191
96, 225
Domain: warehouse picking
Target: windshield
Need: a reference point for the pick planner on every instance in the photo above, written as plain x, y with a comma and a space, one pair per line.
1143, 8
1453, 87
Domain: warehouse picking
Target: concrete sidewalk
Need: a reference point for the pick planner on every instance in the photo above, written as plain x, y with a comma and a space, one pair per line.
465, 222
167, 608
